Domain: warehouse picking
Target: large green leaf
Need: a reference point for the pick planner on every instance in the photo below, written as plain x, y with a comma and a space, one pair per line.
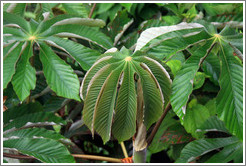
78, 9
25, 77
195, 116
213, 124
9, 61
199, 147
15, 19
164, 41
58, 74
21, 110
153, 97
34, 119
230, 98
103, 116
183, 82
83, 55
230, 36
230, 152
211, 67
44, 149
68, 19
126, 106
17, 8
83, 32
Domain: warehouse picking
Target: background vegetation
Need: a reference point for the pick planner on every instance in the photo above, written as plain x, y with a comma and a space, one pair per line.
42, 107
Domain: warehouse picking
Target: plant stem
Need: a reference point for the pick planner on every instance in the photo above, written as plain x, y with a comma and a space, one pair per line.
124, 149
92, 10
139, 156
92, 157
157, 125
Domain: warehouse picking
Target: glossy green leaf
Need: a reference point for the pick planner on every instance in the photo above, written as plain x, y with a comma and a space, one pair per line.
59, 76
35, 133
34, 119
78, 9
24, 79
183, 82
9, 61
15, 19
194, 117
44, 149
168, 40
230, 97
202, 146
213, 124
211, 67
83, 32
83, 55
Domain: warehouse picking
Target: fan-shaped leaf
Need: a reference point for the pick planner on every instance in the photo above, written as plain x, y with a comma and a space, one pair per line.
58, 74
230, 98
9, 61
44, 149
126, 106
25, 77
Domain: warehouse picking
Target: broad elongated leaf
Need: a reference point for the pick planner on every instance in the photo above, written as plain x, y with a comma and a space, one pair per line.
164, 41
160, 74
107, 59
213, 124
230, 36
230, 98
15, 19
16, 34
83, 32
93, 91
25, 77
17, 8
44, 149
83, 55
78, 9
194, 117
202, 146
21, 110
183, 82
34, 133
211, 67
103, 116
153, 97
68, 19
58, 74
230, 152
126, 106
34, 119
9, 61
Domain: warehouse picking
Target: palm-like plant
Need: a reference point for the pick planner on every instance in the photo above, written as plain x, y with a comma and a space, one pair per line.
109, 90
20, 37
